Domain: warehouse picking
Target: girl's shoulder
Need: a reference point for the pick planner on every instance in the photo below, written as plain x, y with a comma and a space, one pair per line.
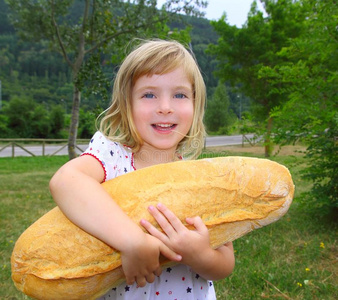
102, 143
115, 158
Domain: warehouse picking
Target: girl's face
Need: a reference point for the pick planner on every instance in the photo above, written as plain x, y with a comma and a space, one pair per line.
162, 109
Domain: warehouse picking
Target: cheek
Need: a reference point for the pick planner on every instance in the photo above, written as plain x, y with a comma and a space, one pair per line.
188, 112
140, 110
141, 116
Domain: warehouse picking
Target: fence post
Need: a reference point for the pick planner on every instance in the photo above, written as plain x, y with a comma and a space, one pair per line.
13, 151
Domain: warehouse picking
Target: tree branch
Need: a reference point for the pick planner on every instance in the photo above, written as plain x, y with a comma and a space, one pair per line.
81, 45
63, 50
112, 36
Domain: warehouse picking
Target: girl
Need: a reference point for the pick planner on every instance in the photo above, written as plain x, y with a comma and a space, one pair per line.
155, 117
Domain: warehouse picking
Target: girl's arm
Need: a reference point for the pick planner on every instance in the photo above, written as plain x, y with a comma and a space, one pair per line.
192, 245
76, 189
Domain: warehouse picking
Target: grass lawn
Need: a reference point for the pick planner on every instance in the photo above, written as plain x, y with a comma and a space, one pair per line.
293, 258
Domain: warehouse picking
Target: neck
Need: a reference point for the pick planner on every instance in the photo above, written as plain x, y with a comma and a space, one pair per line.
147, 157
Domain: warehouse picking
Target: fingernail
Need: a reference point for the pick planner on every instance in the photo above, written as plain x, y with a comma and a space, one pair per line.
160, 205
150, 207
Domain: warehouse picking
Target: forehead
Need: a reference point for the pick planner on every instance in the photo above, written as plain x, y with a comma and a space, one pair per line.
176, 73
176, 78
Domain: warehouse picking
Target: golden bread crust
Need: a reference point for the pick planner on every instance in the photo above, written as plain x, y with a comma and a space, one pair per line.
55, 259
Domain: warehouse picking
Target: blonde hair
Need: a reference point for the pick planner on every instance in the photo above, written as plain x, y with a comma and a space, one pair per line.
154, 57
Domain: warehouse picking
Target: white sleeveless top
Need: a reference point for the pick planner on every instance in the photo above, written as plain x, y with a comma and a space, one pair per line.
179, 282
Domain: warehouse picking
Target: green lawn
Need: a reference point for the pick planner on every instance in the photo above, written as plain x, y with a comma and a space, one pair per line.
293, 258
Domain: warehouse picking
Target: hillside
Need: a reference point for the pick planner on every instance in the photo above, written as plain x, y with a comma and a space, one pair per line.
32, 70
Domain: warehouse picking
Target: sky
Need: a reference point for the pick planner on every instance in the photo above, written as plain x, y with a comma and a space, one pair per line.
236, 10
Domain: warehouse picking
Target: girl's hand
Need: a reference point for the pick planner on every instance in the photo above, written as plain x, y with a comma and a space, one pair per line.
140, 263
190, 244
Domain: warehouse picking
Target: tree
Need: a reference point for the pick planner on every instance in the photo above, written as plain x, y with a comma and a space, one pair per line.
243, 52
309, 78
87, 123
57, 121
4, 130
26, 118
101, 26
218, 115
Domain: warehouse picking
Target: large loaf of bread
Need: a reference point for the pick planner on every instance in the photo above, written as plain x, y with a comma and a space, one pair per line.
54, 259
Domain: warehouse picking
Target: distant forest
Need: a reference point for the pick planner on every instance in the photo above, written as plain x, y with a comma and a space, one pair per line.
32, 70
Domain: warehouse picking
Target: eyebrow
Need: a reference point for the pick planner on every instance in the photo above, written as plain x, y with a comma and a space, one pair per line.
150, 87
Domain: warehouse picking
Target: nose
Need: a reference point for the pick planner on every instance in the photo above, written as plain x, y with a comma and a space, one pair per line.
165, 106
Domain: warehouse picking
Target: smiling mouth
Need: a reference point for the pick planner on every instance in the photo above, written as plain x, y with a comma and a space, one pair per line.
164, 127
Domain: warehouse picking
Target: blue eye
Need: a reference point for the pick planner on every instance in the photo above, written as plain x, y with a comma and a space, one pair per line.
149, 96
180, 96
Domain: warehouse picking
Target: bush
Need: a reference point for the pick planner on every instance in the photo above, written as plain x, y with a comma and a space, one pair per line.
323, 171
57, 121
24, 118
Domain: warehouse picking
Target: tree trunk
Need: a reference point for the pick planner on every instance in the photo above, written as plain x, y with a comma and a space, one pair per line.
267, 142
74, 123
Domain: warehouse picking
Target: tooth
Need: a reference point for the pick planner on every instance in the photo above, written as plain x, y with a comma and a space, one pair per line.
164, 125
